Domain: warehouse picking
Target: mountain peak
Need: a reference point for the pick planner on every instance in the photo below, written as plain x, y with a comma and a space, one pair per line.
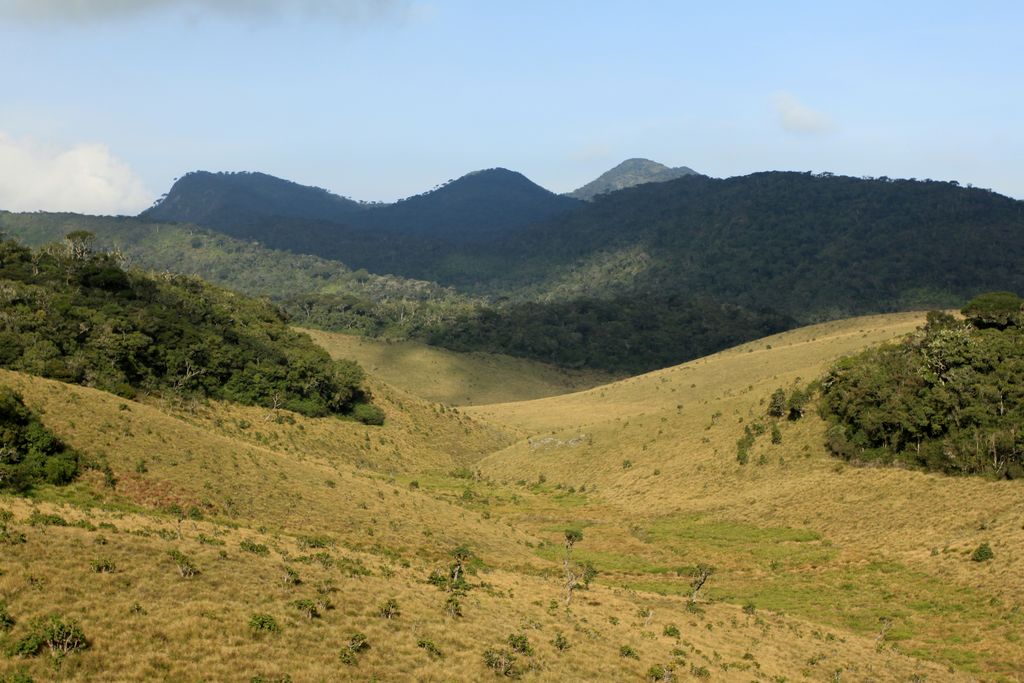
635, 171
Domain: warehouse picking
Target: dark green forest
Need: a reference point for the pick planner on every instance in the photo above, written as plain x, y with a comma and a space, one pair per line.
75, 315
950, 398
639, 278
621, 334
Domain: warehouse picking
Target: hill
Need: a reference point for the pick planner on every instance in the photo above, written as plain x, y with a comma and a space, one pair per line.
885, 553
627, 174
300, 530
76, 315
456, 378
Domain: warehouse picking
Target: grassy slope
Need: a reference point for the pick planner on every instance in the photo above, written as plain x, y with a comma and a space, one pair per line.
456, 378
848, 547
274, 481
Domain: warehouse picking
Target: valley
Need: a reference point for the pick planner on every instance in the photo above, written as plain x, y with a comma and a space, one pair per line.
820, 569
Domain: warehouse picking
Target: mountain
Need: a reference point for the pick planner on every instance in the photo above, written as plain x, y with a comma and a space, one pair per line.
230, 200
627, 174
476, 207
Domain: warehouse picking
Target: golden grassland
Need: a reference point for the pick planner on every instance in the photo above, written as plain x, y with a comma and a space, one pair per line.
454, 378
822, 571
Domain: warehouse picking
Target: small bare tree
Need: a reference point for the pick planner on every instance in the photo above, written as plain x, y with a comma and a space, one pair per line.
573, 575
701, 573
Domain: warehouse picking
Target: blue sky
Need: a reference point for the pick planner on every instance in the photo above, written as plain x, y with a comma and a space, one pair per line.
105, 102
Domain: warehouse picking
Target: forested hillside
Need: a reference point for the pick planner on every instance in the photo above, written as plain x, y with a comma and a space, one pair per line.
76, 315
637, 279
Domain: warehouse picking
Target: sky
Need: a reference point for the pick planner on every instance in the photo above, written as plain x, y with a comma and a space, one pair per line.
103, 103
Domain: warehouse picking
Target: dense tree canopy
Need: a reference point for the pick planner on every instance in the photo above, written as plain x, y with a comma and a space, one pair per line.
29, 452
77, 316
949, 398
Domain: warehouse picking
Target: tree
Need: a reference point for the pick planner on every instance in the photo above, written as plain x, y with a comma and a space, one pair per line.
701, 573
573, 575
995, 309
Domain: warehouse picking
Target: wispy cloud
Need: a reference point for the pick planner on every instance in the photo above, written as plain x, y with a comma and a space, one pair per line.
796, 117
85, 11
84, 178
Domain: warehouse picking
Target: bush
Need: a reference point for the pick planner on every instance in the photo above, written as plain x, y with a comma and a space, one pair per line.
433, 650
103, 566
6, 620
253, 547
982, 553
660, 673
452, 606
186, 567
356, 643
389, 609
671, 630
307, 607
628, 652
263, 623
61, 636
368, 414
291, 577
520, 643
561, 643
777, 403
501, 662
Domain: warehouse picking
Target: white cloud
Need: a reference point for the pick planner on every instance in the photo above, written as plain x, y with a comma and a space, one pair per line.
72, 11
85, 178
796, 117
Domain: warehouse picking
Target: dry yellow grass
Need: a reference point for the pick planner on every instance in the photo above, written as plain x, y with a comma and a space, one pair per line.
847, 574
457, 379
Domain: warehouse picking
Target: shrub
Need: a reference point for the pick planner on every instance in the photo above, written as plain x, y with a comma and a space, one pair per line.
561, 643
671, 630
749, 608
6, 620
501, 662
983, 553
357, 642
263, 623
308, 608
103, 566
520, 643
208, 540
291, 577
186, 567
61, 636
368, 414
699, 671
389, 609
628, 652
253, 547
42, 519
777, 403
433, 650
660, 673
452, 606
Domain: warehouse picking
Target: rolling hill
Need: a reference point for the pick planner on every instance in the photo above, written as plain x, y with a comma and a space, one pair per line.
302, 529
